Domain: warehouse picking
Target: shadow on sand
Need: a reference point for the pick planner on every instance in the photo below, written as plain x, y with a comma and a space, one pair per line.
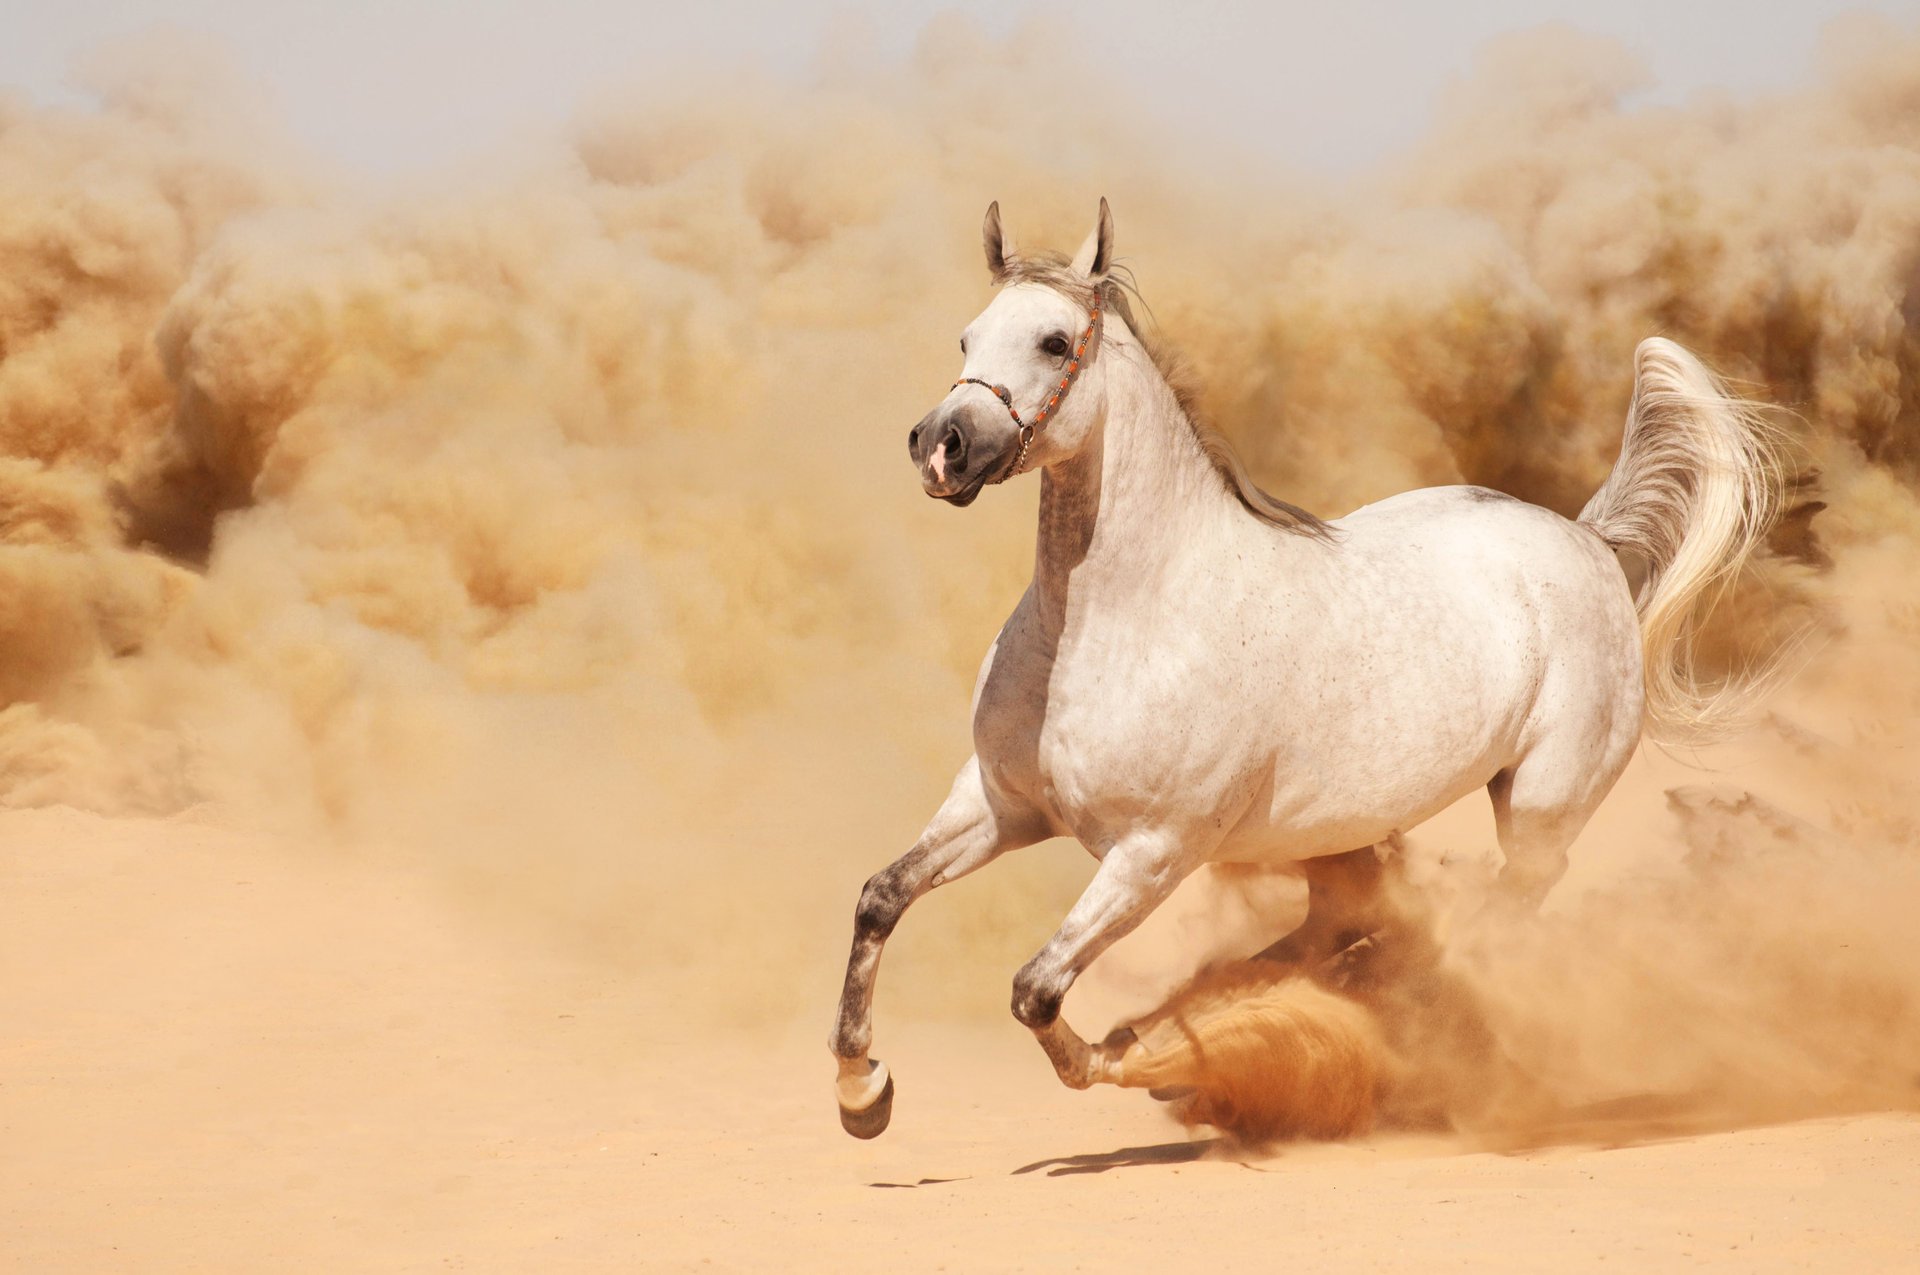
1124, 1158
1091, 1162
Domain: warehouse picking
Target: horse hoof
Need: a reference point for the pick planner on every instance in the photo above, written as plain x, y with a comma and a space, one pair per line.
869, 1121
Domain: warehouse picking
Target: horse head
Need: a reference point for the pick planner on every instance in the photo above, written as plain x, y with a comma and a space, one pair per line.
1029, 393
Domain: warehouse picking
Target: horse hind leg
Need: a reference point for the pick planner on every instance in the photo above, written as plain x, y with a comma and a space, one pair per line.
1350, 904
1350, 897
1540, 804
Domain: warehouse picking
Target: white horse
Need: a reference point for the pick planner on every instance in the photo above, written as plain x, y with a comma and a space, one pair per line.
1200, 673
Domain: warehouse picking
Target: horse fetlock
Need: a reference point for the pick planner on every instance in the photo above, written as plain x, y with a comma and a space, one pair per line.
1036, 998
849, 1040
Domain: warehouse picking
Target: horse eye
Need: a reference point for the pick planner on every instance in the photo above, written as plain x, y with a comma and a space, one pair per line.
963, 345
1056, 345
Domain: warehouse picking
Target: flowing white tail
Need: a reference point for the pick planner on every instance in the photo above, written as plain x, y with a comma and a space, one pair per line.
1698, 484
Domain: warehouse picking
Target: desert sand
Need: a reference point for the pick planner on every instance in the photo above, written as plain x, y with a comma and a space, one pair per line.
226, 1055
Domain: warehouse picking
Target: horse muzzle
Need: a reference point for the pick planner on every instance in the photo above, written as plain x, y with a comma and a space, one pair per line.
959, 450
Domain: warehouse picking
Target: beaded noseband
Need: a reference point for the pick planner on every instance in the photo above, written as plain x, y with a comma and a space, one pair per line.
1048, 408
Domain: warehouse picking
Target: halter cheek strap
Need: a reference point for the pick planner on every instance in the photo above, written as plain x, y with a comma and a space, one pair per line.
1048, 408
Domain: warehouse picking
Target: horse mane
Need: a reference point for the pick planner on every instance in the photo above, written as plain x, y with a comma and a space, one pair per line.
1053, 270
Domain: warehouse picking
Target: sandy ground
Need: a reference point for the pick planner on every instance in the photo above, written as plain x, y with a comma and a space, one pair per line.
219, 1054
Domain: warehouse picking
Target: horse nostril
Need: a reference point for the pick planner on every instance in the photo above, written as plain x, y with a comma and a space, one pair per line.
955, 447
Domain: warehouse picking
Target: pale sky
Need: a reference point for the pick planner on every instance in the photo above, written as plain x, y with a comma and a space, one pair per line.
407, 84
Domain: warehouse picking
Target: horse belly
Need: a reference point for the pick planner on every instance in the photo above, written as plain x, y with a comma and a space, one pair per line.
1446, 678
1306, 826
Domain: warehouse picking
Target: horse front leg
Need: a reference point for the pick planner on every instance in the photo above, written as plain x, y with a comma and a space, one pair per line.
966, 833
1135, 877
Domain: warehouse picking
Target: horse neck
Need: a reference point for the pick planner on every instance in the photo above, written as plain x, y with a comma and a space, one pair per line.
1119, 516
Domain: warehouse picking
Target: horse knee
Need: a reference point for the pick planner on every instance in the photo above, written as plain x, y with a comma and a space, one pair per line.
1037, 993
882, 900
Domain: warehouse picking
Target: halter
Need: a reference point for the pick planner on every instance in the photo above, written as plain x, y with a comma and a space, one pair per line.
1049, 407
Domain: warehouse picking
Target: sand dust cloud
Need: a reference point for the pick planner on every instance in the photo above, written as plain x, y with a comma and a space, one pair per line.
552, 528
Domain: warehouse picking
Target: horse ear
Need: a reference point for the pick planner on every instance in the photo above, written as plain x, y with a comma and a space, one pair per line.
999, 243
1096, 254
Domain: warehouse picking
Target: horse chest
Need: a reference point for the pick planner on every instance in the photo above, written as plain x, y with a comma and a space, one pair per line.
1099, 739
